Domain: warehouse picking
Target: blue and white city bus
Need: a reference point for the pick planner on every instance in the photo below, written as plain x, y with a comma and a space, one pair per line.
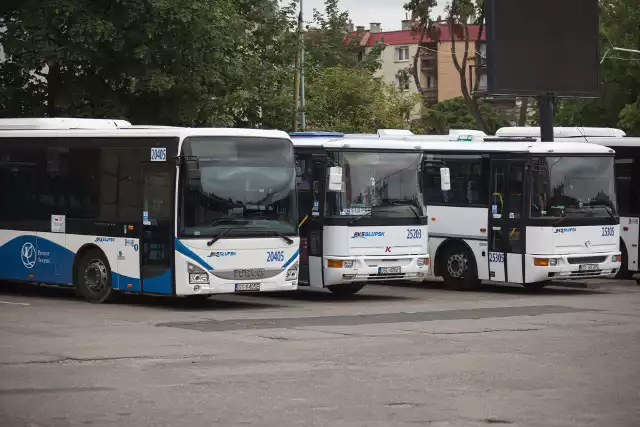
157, 210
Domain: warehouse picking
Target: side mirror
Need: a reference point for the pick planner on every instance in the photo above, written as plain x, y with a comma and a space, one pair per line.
445, 179
335, 179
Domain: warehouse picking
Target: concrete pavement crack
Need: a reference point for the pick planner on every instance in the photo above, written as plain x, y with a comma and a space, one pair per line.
71, 360
475, 332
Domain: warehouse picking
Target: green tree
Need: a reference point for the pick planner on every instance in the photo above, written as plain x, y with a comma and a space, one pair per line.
352, 101
264, 98
459, 15
630, 118
152, 61
454, 114
619, 72
328, 44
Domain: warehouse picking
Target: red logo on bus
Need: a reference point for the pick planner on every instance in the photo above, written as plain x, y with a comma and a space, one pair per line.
388, 249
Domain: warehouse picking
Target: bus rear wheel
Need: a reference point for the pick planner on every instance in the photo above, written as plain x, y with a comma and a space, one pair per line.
459, 269
93, 277
350, 289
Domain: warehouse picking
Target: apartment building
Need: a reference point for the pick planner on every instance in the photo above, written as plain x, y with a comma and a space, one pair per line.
438, 76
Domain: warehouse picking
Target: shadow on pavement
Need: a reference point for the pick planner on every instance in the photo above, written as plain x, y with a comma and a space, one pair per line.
315, 296
215, 302
504, 289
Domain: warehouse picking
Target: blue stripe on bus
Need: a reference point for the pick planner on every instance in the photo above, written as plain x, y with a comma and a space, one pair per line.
29, 257
180, 247
293, 257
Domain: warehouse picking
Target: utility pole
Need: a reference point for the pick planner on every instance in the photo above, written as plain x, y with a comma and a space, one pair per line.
298, 72
303, 122
545, 104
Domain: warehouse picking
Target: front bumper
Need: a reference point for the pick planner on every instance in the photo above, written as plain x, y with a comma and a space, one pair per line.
364, 269
572, 267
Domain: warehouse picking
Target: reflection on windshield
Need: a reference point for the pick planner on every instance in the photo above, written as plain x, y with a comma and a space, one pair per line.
378, 184
247, 184
572, 186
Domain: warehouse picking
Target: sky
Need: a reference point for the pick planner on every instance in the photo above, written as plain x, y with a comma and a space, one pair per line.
389, 13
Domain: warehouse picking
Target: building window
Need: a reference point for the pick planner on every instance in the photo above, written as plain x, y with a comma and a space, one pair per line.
402, 53
432, 82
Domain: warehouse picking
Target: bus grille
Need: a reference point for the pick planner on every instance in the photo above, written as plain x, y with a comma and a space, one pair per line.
587, 259
586, 273
386, 276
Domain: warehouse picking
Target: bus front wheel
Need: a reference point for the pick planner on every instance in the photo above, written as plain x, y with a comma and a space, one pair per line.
93, 277
459, 269
350, 289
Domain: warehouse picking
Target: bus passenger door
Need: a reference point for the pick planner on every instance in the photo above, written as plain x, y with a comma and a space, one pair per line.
156, 240
310, 189
506, 231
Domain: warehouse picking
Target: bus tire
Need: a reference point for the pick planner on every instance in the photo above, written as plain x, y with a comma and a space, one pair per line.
93, 277
624, 273
459, 269
350, 289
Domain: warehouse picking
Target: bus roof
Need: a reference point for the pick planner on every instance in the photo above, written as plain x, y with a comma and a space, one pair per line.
316, 134
61, 123
141, 132
377, 143
562, 132
532, 147
627, 141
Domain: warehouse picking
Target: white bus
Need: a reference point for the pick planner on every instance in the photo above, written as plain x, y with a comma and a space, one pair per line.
627, 172
362, 215
520, 211
168, 211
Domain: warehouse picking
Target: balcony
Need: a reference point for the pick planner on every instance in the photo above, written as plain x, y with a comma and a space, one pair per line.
429, 96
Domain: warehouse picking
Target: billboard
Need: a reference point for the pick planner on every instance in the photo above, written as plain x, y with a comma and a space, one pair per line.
538, 47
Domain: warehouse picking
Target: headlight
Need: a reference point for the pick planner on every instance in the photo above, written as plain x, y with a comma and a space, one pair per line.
197, 276
423, 261
616, 258
292, 272
545, 262
340, 263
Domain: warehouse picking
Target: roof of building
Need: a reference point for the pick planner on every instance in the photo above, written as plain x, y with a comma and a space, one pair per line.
400, 37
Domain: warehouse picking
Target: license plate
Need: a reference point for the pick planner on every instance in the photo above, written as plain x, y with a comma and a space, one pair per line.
247, 287
388, 270
588, 267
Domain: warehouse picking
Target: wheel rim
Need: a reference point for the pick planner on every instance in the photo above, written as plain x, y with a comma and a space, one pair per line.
95, 276
457, 265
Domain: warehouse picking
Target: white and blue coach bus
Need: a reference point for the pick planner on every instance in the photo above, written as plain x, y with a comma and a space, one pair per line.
171, 211
362, 215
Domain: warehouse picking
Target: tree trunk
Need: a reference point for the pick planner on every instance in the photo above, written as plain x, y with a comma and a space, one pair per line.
471, 103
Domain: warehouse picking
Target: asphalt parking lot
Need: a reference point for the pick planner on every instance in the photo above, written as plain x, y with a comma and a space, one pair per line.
389, 356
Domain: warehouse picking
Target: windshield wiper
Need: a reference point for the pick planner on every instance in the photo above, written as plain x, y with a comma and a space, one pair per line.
606, 207
226, 221
277, 233
401, 202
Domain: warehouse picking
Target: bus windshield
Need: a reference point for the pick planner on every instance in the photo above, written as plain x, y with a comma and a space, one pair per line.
378, 184
572, 186
239, 186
